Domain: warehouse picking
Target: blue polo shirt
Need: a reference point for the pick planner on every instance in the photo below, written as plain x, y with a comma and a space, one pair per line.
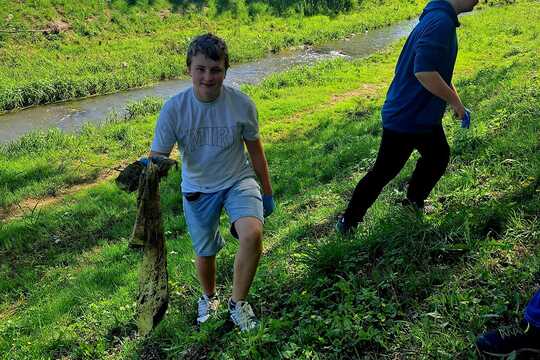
431, 46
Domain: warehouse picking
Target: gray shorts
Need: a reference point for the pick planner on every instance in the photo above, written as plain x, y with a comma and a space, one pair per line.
203, 210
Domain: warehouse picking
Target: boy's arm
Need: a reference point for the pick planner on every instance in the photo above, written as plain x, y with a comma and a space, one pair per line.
164, 132
260, 165
435, 84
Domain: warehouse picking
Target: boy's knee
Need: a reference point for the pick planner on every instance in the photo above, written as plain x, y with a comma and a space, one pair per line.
444, 157
253, 235
439, 158
445, 152
251, 239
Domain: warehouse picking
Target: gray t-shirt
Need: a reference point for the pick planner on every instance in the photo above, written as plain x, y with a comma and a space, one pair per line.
210, 137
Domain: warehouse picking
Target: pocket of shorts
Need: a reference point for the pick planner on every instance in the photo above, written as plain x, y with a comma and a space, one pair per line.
193, 196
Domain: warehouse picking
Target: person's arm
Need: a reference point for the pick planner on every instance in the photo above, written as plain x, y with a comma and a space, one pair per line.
164, 134
454, 88
260, 165
434, 83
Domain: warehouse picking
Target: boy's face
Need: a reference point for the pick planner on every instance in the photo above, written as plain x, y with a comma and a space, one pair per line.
207, 76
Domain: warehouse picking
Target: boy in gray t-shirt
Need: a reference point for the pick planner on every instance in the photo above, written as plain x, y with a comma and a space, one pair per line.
211, 123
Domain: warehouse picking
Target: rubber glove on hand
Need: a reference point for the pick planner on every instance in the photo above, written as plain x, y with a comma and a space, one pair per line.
268, 205
155, 159
143, 161
466, 121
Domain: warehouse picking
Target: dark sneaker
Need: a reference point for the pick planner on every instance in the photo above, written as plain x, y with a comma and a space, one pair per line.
243, 316
343, 227
206, 308
423, 209
504, 341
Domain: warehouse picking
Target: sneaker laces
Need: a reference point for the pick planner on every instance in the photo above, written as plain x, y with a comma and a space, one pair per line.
205, 305
511, 331
244, 316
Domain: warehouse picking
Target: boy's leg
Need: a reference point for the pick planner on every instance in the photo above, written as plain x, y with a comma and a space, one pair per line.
525, 338
206, 270
394, 152
208, 303
243, 203
202, 213
435, 154
249, 231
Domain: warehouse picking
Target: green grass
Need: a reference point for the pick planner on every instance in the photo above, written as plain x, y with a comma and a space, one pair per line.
109, 50
42, 164
66, 160
401, 287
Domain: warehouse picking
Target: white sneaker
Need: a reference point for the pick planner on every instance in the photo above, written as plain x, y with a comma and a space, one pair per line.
242, 316
207, 307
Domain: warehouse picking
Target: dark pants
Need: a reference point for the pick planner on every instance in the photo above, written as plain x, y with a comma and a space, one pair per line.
394, 151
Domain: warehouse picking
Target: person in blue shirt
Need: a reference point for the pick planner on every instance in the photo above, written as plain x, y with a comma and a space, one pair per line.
413, 111
522, 339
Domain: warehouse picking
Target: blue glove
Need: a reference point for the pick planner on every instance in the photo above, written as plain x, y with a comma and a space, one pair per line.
268, 205
144, 161
466, 121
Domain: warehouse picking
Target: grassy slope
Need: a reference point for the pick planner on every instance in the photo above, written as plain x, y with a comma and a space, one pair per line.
112, 49
418, 288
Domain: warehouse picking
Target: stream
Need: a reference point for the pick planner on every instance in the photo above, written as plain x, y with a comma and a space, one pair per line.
70, 116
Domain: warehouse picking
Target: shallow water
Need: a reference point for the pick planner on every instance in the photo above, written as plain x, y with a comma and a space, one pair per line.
71, 115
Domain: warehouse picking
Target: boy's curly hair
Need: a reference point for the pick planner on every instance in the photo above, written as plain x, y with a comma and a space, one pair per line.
211, 46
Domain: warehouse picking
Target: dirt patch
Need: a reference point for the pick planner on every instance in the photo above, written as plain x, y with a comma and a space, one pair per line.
367, 90
31, 205
164, 14
152, 352
198, 352
56, 27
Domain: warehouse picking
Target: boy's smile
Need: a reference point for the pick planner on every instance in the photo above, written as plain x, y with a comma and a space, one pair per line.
207, 76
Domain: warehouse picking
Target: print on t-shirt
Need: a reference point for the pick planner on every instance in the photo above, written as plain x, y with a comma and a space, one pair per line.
222, 137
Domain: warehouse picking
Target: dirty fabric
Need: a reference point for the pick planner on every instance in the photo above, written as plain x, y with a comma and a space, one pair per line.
148, 233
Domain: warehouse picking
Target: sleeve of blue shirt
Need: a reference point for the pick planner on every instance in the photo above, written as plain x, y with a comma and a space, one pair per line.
433, 46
